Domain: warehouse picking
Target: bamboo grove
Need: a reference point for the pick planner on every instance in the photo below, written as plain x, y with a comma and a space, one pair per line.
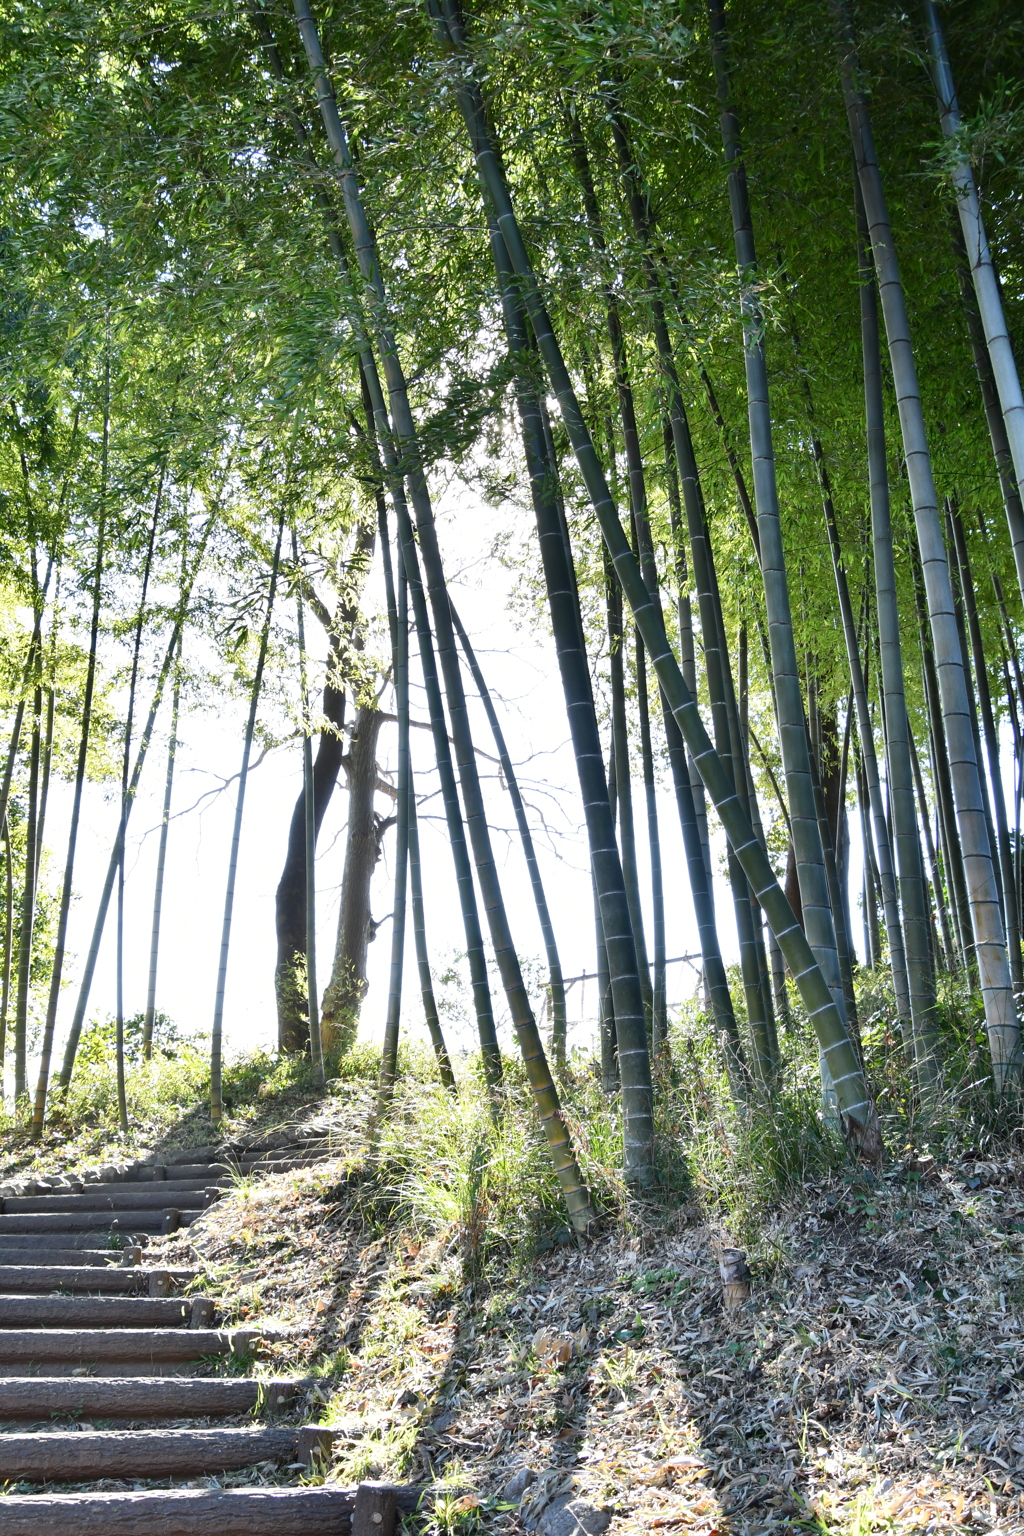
720, 304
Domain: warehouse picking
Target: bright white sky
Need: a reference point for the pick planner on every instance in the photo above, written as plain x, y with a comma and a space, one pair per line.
519, 663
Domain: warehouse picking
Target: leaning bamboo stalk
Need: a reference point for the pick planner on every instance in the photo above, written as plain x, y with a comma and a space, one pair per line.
379, 443
712, 628
858, 1115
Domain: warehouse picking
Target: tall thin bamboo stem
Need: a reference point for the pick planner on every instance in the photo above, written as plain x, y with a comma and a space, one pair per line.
217, 1032
444, 1065
161, 864
810, 862
119, 1041
60, 942
28, 905
85, 986
659, 1020
389, 1052
5, 984
896, 728
995, 784
624, 787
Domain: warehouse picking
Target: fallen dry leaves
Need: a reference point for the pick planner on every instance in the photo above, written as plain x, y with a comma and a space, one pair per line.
873, 1383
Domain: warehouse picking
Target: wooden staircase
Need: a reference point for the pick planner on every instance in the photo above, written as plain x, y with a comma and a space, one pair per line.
88, 1332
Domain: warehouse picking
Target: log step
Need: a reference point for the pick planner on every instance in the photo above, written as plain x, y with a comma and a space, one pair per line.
73, 1247
54, 1456
94, 1221
93, 1312
113, 1279
324, 1511
136, 1397
107, 1197
87, 1345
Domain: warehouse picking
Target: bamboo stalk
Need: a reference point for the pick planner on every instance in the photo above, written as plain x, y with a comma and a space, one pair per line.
216, 1037
858, 1115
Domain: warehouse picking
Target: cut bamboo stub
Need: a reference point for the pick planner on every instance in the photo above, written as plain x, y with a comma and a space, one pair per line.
735, 1278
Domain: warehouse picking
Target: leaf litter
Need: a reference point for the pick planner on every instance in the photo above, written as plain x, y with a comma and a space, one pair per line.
874, 1382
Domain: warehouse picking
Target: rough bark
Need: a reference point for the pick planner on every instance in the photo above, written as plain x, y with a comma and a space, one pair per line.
290, 902
346, 989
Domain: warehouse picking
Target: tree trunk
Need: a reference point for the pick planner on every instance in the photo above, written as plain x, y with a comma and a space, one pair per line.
343, 998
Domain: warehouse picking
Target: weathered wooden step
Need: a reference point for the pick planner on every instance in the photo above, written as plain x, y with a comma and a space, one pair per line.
111, 1279
138, 1397
324, 1511
208, 1173
150, 1221
110, 1197
82, 1247
94, 1312
88, 1345
54, 1456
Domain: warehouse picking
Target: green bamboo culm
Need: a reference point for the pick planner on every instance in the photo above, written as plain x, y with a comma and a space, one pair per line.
419, 925
810, 859
85, 986
857, 1112
989, 939
161, 864
389, 1053
625, 1055
216, 1038
574, 1191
